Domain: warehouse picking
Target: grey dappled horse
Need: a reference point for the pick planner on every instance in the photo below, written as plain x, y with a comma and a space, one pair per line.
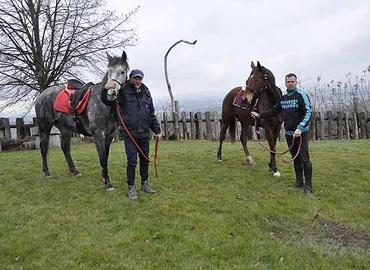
98, 119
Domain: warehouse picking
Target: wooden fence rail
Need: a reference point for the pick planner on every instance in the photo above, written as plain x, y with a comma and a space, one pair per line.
324, 126
206, 126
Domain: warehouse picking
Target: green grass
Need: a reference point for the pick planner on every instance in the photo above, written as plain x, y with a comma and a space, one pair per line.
206, 215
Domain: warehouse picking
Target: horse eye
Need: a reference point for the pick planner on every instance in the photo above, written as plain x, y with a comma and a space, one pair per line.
123, 72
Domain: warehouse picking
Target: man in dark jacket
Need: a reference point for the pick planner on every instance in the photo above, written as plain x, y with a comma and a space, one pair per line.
138, 114
296, 108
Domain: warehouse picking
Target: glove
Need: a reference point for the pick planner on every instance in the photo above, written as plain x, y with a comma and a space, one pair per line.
297, 133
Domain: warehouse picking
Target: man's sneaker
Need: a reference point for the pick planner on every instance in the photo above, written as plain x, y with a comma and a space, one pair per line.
132, 193
145, 187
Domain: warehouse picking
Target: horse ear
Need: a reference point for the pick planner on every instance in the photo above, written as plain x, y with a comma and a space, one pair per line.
109, 57
252, 65
259, 66
124, 56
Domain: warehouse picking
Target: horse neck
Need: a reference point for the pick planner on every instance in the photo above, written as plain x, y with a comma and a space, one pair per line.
271, 96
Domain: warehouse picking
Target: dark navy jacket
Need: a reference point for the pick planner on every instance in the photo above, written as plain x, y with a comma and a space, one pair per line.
137, 110
296, 108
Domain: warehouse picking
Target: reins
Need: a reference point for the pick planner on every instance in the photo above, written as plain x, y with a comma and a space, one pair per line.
275, 152
137, 146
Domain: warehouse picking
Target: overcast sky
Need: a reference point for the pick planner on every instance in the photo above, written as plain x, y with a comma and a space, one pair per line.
310, 38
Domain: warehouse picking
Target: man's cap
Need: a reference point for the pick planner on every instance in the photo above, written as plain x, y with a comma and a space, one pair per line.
137, 73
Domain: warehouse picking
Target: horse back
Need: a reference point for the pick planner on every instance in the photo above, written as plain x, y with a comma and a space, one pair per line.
45, 101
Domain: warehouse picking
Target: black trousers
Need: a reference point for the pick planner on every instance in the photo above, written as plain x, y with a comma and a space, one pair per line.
302, 163
131, 153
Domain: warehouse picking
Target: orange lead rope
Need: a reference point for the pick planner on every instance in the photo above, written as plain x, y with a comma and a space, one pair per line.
141, 151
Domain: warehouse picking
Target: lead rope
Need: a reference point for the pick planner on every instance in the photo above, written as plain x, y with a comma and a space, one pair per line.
137, 146
275, 152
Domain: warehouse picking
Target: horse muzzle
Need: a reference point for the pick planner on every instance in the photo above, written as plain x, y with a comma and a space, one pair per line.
112, 94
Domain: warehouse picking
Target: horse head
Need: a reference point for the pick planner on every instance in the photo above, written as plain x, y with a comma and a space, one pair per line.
259, 82
117, 71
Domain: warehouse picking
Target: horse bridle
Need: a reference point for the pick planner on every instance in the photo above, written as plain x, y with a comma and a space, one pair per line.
120, 84
259, 92
262, 88
117, 88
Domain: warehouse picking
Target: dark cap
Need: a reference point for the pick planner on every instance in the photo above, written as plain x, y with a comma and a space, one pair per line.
137, 73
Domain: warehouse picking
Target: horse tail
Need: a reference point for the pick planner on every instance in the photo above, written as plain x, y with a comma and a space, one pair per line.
232, 130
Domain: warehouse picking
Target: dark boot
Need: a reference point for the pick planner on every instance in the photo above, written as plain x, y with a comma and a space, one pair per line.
307, 167
298, 169
132, 193
145, 187
298, 183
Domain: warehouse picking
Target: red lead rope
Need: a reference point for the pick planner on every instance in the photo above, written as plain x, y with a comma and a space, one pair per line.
137, 146
274, 152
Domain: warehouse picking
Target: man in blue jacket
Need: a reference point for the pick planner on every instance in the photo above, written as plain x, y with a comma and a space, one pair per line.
138, 114
296, 108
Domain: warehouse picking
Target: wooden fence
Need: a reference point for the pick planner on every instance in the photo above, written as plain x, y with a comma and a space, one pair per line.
324, 126
206, 126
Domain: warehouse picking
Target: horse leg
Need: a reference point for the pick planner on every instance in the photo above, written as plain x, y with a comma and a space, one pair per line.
44, 131
271, 138
66, 136
102, 146
243, 140
223, 130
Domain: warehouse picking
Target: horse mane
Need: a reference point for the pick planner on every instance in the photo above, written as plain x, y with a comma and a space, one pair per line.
274, 93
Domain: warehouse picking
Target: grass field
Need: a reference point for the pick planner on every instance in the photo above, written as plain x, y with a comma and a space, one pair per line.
206, 215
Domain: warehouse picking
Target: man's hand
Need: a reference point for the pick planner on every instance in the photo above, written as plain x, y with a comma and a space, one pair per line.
158, 136
110, 85
297, 133
254, 114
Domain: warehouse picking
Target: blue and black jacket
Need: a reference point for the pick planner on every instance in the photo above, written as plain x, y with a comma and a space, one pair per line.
296, 108
137, 110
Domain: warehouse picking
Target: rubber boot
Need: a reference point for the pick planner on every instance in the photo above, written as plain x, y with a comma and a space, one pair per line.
298, 175
308, 177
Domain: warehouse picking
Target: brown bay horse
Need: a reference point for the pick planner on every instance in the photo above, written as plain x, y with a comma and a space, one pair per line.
261, 93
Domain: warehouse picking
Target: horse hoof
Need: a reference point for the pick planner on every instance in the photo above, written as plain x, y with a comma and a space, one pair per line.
109, 187
277, 174
77, 173
219, 160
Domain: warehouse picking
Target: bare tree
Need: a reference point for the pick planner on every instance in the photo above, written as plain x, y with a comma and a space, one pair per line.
45, 42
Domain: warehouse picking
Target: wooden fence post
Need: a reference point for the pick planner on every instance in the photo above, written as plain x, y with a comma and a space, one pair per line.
200, 125
346, 125
193, 132
363, 124
165, 125
313, 126
208, 126
330, 125
354, 126
20, 127
322, 125
216, 122
184, 126
340, 125
176, 125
